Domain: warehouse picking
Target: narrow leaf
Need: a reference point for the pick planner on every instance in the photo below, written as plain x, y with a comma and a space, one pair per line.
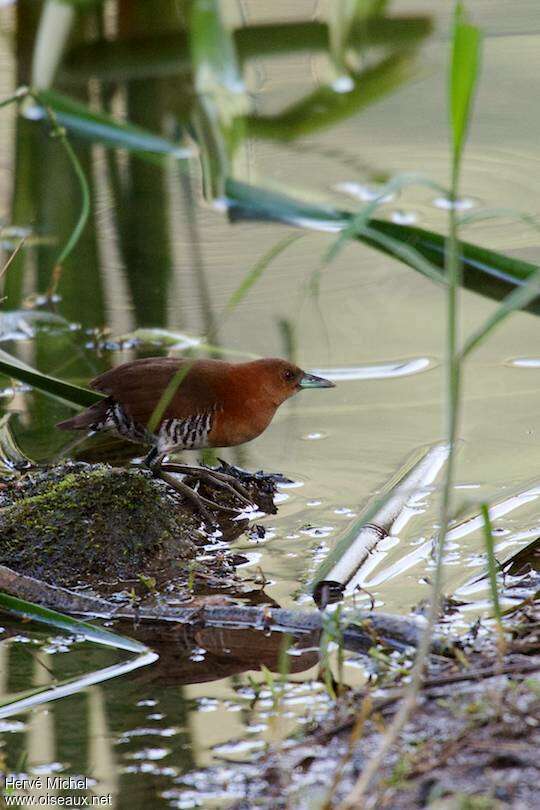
520, 298
463, 76
36, 613
70, 686
167, 396
78, 119
491, 565
67, 392
257, 270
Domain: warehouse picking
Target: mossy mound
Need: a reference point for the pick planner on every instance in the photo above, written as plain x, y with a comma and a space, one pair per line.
88, 523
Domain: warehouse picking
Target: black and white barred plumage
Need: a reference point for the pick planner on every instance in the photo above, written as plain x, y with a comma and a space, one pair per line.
190, 433
186, 434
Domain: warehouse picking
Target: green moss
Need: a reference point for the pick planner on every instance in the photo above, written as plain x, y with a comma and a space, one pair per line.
93, 523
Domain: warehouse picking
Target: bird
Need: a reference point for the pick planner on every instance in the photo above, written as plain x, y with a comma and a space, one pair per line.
209, 403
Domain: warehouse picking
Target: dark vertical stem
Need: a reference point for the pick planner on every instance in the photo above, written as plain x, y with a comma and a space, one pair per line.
140, 189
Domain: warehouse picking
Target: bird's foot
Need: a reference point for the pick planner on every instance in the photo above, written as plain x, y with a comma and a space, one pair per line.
218, 479
203, 504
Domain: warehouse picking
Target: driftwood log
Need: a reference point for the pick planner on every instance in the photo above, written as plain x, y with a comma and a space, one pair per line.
360, 629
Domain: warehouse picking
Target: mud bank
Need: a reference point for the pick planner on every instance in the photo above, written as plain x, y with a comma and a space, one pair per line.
96, 525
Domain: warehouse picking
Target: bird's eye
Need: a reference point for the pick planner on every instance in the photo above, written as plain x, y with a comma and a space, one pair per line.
288, 375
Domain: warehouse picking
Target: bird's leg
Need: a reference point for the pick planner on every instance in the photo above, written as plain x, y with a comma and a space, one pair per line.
219, 479
154, 458
200, 502
154, 461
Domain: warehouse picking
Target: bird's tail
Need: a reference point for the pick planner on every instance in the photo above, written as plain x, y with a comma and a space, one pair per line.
87, 419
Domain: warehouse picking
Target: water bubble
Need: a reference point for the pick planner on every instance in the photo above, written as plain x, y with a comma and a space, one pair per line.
315, 436
205, 704
11, 726
343, 84
154, 731
525, 362
239, 746
460, 204
467, 486
31, 111
290, 484
47, 768
149, 753
10, 391
374, 371
365, 192
401, 217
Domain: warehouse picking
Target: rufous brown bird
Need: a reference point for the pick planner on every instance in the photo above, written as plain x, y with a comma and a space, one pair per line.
216, 404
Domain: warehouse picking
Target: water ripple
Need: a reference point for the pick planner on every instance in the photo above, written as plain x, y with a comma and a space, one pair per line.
377, 371
525, 362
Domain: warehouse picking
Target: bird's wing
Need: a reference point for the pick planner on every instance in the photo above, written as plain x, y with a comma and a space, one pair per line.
138, 387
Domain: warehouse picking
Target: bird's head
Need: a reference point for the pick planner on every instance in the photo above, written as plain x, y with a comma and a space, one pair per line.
279, 379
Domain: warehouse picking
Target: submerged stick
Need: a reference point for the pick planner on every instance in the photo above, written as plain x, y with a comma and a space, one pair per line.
339, 573
362, 628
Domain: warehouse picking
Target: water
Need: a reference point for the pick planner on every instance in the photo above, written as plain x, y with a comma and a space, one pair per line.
157, 256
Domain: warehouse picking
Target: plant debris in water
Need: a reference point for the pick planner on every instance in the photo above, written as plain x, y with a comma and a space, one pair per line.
471, 743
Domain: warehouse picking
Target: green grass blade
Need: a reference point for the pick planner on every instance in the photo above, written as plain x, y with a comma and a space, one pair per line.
85, 205
463, 76
492, 565
90, 632
82, 219
167, 397
358, 227
257, 270
520, 298
495, 213
403, 251
17, 96
67, 392
358, 221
